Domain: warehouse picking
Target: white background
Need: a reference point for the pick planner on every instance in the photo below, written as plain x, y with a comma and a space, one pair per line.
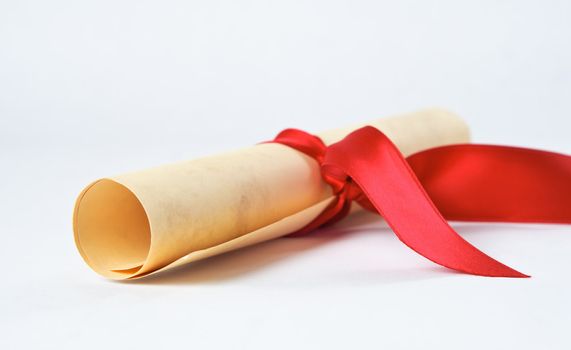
96, 88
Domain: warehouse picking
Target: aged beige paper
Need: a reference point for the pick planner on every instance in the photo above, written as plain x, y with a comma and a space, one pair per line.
135, 224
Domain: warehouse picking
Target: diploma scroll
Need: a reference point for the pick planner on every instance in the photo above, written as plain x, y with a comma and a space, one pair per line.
132, 225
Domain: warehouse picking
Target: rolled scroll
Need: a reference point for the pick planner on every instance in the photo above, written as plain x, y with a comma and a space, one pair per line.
132, 225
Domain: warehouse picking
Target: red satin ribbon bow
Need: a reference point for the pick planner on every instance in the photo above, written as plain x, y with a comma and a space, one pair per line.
418, 194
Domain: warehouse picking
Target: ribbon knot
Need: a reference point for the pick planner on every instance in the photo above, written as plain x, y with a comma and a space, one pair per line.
342, 185
417, 194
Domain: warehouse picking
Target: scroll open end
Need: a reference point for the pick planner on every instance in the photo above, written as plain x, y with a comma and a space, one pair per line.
112, 229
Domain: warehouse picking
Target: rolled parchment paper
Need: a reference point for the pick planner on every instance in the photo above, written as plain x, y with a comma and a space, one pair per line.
132, 225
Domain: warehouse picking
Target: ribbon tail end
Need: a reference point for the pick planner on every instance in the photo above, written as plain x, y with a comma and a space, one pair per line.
504, 271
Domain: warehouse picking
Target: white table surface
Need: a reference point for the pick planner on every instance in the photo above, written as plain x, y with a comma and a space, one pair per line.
89, 89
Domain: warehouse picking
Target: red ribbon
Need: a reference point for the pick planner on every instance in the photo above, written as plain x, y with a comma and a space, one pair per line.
418, 194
